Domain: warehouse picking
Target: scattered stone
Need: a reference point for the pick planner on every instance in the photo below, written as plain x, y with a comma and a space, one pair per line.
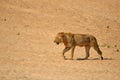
108, 46
115, 45
117, 50
108, 27
18, 33
5, 19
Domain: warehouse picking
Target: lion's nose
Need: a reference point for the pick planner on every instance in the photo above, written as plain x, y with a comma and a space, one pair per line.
57, 43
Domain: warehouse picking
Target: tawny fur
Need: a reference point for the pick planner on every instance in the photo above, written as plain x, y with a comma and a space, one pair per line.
71, 40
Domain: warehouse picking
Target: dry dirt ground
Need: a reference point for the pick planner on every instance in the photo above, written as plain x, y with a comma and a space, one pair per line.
28, 28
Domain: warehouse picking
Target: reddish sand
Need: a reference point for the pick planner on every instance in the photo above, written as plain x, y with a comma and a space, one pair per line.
28, 28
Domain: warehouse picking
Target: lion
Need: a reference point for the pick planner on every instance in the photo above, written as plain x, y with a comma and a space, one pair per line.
71, 40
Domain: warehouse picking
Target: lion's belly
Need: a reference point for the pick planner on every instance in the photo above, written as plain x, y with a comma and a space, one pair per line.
82, 43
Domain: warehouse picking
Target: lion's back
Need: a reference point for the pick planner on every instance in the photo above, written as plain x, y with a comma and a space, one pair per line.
83, 39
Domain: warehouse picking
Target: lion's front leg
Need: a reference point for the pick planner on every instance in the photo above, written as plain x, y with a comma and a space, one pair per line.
65, 50
72, 53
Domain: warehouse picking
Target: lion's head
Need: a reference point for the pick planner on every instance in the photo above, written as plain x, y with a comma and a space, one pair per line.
59, 38
66, 38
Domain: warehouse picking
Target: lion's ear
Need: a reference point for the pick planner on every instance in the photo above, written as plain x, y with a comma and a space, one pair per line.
62, 34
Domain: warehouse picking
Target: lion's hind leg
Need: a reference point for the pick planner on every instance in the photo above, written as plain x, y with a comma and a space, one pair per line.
96, 47
87, 50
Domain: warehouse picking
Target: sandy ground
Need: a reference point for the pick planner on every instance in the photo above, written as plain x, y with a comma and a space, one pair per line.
28, 28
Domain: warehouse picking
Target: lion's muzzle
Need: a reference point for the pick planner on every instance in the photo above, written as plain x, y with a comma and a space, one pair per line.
56, 42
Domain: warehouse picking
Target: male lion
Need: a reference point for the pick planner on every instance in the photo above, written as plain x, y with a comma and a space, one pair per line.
72, 40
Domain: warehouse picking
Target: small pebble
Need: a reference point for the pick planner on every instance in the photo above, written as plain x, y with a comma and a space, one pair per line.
18, 33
